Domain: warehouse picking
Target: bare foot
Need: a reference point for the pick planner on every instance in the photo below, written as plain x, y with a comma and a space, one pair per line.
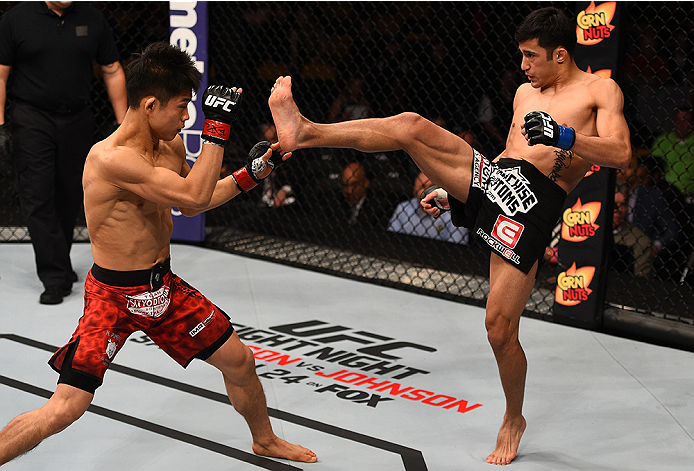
507, 441
279, 448
285, 113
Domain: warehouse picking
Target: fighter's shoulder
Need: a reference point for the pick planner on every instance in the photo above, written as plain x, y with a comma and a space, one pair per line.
107, 156
174, 147
598, 85
524, 91
110, 150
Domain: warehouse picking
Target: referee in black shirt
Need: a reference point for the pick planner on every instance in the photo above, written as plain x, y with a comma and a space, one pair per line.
47, 51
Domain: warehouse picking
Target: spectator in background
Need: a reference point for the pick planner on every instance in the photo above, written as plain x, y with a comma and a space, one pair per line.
277, 191
47, 51
355, 186
410, 218
650, 211
469, 137
633, 239
352, 103
645, 64
677, 151
679, 46
495, 111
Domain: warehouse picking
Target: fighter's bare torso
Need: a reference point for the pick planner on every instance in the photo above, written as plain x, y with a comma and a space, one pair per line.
573, 104
127, 231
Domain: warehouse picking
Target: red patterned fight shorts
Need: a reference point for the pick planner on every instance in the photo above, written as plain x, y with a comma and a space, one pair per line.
176, 316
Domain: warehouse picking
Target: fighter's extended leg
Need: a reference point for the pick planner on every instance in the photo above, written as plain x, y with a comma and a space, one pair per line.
237, 365
508, 293
26, 431
444, 157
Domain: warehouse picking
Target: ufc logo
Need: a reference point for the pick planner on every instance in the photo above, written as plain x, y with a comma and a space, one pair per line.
215, 101
547, 126
507, 231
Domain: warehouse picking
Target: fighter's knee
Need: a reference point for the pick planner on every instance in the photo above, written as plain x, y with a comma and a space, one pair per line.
60, 418
241, 364
410, 121
407, 127
500, 332
404, 124
247, 359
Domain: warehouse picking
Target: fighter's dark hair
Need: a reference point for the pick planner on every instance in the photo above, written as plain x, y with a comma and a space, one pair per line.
551, 27
163, 71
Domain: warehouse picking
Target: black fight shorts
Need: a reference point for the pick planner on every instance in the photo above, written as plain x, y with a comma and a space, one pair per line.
512, 207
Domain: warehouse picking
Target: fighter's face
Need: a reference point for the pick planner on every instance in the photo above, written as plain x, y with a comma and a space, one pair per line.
168, 120
535, 64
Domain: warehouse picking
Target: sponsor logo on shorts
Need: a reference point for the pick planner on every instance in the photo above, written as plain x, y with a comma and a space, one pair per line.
510, 190
507, 231
497, 246
111, 349
150, 303
116, 337
480, 170
196, 330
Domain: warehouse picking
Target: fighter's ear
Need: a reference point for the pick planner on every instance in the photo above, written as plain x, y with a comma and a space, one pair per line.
148, 103
561, 54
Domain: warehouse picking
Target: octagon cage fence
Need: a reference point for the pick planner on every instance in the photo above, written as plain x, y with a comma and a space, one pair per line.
455, 63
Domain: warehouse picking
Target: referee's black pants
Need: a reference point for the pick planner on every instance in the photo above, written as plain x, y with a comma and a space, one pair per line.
50, 150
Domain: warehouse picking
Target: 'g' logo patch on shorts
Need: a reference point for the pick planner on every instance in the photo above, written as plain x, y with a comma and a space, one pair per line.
507, 231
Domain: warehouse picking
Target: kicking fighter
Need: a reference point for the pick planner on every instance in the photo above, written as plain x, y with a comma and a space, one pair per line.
513, 202
131, 181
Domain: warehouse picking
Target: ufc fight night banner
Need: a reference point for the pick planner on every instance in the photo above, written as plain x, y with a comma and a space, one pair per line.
188, 31
584, 243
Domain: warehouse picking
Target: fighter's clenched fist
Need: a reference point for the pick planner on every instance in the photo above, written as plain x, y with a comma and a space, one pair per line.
540, 128
221, 106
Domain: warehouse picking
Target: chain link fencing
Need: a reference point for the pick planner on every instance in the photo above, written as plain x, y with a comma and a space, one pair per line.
457, 64
652, 259
134, 25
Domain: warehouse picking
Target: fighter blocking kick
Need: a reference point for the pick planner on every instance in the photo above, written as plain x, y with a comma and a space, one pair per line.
131, 181
512, 202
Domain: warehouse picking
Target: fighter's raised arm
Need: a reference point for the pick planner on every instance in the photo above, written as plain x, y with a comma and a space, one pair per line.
605, 142
263, 159
612, 146
162, 175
